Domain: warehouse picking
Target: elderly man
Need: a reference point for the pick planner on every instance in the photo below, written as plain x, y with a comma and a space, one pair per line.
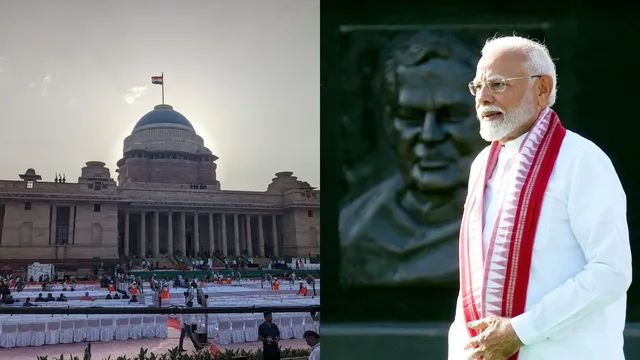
545, 261
404, 230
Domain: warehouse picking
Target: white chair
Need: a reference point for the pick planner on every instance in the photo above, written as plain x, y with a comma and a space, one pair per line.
298, 326
149, 326
161, 326
309, 323
224, 332
250, 328
107, 329
24, 333
214, 325
79, 330
93, 331
38, 331
122, 328
237, 329
9, 335
200, 321
66, 331
52, 334
135, 327
285, 326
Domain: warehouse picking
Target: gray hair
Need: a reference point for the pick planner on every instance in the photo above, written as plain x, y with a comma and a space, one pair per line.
540, 62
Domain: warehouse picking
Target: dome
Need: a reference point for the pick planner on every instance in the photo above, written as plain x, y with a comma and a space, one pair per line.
163, 114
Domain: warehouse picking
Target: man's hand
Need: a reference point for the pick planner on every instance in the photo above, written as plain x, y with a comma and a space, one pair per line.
497, 340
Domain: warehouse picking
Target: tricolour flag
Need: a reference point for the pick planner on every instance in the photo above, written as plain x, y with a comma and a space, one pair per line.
157, 80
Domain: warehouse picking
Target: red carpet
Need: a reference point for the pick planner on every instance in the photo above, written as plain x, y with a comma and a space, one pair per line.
174, 323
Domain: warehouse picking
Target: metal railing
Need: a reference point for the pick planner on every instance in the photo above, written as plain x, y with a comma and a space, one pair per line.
35, 310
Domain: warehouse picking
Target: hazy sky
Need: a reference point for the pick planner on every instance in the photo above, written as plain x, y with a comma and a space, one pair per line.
75, 76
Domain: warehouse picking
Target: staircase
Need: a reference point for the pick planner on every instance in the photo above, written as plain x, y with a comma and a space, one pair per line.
217, 262
164, 262
262, 262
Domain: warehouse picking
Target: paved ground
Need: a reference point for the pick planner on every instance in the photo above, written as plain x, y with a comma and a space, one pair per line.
101, 350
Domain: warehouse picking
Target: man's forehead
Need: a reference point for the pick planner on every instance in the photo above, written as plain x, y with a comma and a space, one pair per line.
503, 63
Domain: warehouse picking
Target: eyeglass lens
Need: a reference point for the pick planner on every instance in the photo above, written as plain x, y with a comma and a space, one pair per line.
494, 86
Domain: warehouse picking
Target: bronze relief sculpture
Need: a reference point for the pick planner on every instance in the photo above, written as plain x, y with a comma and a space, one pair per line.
404, 229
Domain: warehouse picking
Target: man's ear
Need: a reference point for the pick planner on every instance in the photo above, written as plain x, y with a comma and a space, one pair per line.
543, 90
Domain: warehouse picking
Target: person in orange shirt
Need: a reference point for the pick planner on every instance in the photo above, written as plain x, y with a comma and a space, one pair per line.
276, 284
112, 287
133, 288
165, 292
303, 290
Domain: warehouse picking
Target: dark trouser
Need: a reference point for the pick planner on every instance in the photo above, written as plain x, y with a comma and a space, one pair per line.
314, 289
271, 353
188, 331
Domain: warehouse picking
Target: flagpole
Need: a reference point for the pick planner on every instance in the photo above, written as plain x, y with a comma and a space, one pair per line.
162, 88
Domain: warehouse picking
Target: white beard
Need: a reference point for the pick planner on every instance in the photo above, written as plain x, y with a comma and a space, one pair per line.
511, 119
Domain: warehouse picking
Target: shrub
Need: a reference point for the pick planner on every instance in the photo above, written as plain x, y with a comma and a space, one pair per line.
173, 354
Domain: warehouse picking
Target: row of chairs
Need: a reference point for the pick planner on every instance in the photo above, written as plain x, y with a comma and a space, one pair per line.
39, 331
239, 328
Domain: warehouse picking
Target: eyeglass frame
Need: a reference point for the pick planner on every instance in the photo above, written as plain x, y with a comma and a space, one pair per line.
472, 84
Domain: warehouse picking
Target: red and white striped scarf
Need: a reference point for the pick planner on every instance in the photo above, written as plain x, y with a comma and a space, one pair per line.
497, 284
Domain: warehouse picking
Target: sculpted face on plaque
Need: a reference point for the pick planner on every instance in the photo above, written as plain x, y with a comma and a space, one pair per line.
405, 229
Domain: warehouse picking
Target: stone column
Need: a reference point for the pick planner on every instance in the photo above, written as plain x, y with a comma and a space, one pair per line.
212, 240
126, 232
274, 231
183, 233
71, 238
247, 221
241, 234
223, 223
260, 237
53, 226
196, 234
170, 233
236, 235
218, 226
156, 234
143, 234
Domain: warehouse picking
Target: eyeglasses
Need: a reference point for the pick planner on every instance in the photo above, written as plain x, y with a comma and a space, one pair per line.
497, 85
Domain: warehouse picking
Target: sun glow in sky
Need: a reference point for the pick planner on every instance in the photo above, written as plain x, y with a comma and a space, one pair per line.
75, 77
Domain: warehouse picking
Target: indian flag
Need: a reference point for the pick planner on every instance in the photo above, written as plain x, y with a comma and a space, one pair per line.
157, 80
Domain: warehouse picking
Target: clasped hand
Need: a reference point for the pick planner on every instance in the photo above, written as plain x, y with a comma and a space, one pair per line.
497, 339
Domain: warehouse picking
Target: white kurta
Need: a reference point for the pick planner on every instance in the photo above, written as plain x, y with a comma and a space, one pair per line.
581, 263
315, 352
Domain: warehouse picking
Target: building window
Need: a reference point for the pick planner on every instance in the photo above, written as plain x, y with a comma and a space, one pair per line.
27, 206
62, 235
97, 185
96, 207
310, 213
30, 184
